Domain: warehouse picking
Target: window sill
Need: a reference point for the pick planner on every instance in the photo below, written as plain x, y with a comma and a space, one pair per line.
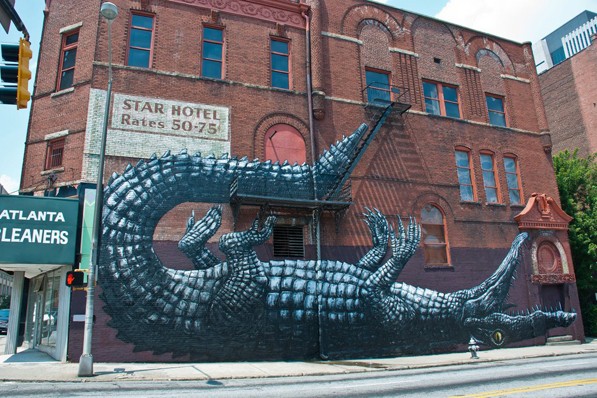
492, 204
518, 205
438, 267
53, 171
464, 202
62, 92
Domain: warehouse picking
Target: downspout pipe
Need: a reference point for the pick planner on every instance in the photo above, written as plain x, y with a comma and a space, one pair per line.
311, 129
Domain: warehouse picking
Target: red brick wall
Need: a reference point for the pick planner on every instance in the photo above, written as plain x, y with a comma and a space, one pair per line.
568, 90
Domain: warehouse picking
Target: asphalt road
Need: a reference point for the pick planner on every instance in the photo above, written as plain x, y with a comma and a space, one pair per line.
567, 376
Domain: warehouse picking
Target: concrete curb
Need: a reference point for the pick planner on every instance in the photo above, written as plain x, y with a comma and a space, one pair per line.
34, 366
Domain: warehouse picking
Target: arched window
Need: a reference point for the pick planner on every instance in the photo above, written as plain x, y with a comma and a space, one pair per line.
435, 245
284, 142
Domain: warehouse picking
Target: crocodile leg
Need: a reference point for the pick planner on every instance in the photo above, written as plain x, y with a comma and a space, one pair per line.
380, 234
192, 244
387, 306
241, 299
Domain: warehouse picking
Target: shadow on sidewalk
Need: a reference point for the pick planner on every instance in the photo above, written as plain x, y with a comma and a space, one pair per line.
29, 355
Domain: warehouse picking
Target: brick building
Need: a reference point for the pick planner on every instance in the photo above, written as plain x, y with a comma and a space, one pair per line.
568, 91
284, 80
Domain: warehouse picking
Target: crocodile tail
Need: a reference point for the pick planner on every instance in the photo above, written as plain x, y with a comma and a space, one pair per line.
334, 162
144, 298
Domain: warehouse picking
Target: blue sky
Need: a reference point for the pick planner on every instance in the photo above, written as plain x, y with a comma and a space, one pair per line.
519, 20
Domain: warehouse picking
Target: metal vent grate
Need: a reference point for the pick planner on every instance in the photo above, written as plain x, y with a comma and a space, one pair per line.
289, 241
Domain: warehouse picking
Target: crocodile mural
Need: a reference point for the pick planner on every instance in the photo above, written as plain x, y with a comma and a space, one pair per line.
245, 308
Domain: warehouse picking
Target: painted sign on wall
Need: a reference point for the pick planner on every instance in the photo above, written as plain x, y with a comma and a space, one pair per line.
162, 116
141, 126
35, 230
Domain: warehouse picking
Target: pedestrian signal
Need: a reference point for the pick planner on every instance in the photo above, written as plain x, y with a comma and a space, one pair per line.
75, 279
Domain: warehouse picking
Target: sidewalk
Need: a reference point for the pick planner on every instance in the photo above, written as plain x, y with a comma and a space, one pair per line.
34, 366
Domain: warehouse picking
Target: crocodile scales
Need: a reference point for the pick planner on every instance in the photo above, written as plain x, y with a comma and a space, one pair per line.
244, 308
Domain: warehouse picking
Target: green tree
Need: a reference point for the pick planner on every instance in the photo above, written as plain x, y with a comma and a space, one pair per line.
577, 182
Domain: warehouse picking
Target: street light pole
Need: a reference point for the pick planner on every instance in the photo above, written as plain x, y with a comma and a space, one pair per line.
109, 11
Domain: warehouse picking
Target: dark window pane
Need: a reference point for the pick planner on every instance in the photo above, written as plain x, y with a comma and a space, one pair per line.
489, 178
69, 58
450, 94
374, 95
66, 79
464, 176
72, 39
462, 159
139, 58
376, 77
452, 110
280, 80
279, 46
280, 62
512, 180
140, 38
495, 104
212, 51
497, 119
211, 69
142, 21
486, 162
510, 165
515, 197
430, 90
491, 194
432, 215
432, 106
213, 34
466, 193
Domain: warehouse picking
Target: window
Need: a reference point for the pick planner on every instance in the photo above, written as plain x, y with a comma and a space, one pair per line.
441, 99
285, 143
213, 50
68, 55
378, 87
141, 39
55, 153
463, 168
514, 189
489, 181
280, 64
288, 241
435, 246
495, 107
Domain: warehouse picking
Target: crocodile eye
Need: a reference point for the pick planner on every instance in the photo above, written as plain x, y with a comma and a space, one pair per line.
498, 337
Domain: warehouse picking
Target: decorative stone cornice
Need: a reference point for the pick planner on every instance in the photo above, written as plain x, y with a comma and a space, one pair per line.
542, 212
279, 11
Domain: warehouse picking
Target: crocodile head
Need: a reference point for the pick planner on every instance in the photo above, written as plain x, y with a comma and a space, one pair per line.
498, 329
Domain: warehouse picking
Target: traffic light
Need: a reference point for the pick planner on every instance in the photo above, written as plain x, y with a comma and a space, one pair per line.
9, 67
24, 74
75, 279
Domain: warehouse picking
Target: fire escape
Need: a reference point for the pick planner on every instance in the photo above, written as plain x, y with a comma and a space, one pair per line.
319, 192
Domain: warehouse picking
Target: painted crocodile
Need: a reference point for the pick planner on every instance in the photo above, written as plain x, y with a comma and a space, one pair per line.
244, 308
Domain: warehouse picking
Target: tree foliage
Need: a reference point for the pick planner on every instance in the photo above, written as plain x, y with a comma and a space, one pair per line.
577, 182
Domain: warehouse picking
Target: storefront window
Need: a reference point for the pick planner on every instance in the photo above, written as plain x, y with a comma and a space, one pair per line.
50, 312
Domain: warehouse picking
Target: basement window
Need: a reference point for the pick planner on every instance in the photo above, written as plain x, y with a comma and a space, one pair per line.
289, 241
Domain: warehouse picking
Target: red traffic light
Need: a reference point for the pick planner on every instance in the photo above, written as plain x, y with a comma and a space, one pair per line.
75, 279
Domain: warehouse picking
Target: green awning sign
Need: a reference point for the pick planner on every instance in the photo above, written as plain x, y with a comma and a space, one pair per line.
37, 230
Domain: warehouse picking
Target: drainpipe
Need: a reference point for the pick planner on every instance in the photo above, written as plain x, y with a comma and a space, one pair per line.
316, 213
